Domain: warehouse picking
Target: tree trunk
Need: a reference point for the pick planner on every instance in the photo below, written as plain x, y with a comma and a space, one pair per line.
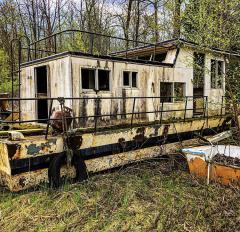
176, 19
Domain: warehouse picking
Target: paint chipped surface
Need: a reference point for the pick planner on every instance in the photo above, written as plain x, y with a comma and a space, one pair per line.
219, 173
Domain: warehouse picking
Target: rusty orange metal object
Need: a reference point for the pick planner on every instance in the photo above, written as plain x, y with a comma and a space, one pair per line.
220, 173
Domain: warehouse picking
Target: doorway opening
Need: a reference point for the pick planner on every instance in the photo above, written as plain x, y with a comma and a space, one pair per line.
198, 83
42, 93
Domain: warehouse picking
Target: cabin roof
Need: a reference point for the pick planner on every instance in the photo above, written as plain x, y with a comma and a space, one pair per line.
170, 44
105, 57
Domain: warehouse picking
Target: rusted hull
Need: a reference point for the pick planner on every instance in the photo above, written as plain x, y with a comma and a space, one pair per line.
33, 178
21, 161
227, 175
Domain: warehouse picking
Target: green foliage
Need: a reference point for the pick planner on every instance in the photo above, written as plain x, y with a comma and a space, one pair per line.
212, 23
233, 77
5, 83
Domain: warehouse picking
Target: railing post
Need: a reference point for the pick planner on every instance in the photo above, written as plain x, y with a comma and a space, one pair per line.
154, 52
205, 106
185, 108
134, 100
96, 115
222, 107
49, 114
55, 44
35, 50
161, 112
206, 111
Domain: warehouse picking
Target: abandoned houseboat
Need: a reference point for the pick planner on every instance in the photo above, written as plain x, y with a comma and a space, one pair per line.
122, 107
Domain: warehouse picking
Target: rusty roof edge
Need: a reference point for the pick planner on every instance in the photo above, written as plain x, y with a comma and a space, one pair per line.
41, 60
181, 41
106, 57
178, 42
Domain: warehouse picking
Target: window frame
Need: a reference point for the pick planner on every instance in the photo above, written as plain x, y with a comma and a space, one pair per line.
109, 78
184, 91
199, 69
162, 100
173, 99
130, 79
96, 81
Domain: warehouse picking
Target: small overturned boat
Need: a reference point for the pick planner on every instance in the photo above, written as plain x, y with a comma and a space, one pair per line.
220, 163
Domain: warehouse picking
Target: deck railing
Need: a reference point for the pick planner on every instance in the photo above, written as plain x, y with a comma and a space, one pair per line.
129, 109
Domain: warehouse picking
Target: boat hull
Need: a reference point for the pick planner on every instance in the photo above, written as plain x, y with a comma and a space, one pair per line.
227, 175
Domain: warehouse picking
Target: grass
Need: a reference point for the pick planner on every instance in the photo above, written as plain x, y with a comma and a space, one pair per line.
142, 197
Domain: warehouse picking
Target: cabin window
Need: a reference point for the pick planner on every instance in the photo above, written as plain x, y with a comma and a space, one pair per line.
126, 78
134, 79
95, 79
216, 74
160, 57
166, 91
88, 78
130, 79
103, 80
179, 91
172, 92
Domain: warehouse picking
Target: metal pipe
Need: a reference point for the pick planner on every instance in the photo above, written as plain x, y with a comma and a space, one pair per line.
185, 109
134, 100
88, 32
89, 98
96, 116
161, 113
49, 115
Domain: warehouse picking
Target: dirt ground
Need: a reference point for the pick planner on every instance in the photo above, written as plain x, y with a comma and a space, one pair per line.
142, 197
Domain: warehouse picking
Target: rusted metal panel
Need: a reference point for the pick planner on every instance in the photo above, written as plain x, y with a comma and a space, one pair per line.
33, 178
4, 160
38, 145
219, 173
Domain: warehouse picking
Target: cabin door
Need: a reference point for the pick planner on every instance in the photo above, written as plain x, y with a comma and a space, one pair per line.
42, 93
198, 83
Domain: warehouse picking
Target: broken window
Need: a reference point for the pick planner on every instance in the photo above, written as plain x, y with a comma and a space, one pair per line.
170, 92
134, 79
126, 78
103, 80
160, 57
198, 70
179, 91
130, 79
216, 74
88, 78
166, 91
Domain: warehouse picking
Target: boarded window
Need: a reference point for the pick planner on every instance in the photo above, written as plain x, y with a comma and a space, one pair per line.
103, 80
88, 78
179, 91
216, 74
166, 92
198, 70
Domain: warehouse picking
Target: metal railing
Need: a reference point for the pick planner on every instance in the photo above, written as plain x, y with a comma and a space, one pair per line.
130, 109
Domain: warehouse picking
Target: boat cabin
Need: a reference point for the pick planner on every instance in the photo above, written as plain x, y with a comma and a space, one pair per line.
174, 79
